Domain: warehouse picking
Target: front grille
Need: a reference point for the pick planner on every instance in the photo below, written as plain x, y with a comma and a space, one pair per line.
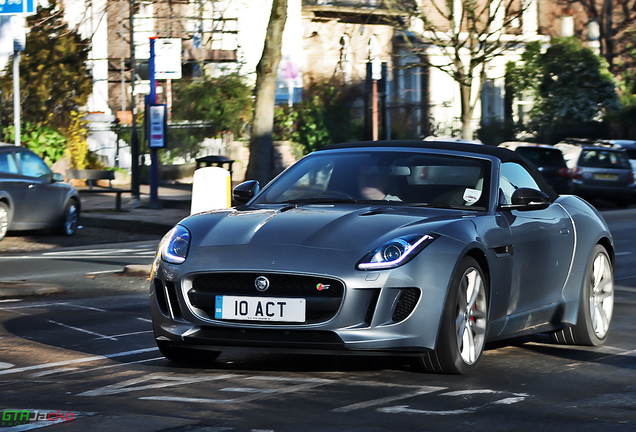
322, 304
406, 303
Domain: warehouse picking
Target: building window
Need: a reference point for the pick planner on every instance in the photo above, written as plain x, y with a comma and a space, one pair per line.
567, 26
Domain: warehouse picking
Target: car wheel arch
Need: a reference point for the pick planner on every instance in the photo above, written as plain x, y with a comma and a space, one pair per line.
63, 227
478, 255
609, 247
6, 200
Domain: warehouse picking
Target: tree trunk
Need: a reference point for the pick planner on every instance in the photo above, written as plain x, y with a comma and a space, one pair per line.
260, 166
466, 111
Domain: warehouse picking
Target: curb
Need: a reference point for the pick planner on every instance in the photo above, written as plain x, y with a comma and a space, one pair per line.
137, 269
22, 289
106, 222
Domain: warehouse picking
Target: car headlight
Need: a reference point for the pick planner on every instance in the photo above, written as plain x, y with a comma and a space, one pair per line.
175, 245
395, 252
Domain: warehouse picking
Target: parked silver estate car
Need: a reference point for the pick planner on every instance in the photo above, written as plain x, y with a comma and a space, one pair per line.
405, 248
629, 147
600, 171
32, 196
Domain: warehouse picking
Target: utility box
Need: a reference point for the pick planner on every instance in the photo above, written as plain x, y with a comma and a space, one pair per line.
211, 189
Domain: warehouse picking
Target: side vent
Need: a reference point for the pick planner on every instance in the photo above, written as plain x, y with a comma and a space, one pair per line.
407, 301
167, 301
373, 302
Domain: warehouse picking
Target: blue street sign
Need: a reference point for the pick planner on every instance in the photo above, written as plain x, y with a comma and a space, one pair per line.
14, 7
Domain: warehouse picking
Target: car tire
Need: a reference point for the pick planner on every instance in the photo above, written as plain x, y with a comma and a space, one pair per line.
596, 304
70, 219
5, 220
462, 333
184, 355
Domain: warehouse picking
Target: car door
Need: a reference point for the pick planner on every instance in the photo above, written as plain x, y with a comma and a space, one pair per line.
42, 200
542, 246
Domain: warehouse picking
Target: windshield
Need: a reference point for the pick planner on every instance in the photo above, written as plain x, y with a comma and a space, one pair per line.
406, 178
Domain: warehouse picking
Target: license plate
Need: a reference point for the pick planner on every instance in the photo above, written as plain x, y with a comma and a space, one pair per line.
260, 308
605, 176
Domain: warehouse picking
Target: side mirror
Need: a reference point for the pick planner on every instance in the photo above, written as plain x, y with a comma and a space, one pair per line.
245, 191
524, 199
57, 177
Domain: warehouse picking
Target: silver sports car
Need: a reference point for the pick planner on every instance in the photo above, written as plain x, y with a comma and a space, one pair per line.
424, 249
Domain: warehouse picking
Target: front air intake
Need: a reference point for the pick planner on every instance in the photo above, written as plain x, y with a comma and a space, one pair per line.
407, 301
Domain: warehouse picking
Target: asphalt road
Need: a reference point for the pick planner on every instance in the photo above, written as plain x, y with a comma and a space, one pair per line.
85, 359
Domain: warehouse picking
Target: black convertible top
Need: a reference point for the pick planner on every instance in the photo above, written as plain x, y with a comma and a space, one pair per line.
503, 154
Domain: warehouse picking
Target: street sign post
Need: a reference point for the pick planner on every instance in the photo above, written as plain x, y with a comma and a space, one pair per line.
167, 58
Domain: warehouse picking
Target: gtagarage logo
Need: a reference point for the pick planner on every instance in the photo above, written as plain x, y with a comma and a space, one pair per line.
15, 417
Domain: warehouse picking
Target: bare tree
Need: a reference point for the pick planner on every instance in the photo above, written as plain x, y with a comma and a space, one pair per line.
468, 35
614, 21
260, 166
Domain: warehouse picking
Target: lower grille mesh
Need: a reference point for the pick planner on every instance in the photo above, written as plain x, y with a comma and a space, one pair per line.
406, 303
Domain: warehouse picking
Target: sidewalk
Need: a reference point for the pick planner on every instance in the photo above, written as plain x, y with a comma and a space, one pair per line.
173, 204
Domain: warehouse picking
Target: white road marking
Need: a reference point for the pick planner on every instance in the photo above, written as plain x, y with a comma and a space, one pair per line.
310, 384
127, 334
158, 381
186, 400
511, 398
386, 400
10, 300
79, 306
79, 329
76, 361
52, 372
111, 366
404, 409
247, 390
103, 272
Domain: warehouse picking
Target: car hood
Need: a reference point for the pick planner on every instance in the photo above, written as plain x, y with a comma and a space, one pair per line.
336, 227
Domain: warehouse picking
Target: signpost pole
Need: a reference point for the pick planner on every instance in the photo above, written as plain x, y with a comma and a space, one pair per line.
152, 100
16, 97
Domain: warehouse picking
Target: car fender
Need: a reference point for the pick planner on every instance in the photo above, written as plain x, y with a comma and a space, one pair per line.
591, 229
436, 276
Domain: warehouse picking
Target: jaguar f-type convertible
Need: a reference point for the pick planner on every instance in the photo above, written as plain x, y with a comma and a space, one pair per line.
414, 248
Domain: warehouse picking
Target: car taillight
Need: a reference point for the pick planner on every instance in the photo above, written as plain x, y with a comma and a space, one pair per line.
576, 174
631, 177
564, 172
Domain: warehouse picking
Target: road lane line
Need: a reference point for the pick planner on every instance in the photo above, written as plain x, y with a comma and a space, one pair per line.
76, 361
111, 366
99, 335
79, 306
129, 334
186, 400
375, 402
